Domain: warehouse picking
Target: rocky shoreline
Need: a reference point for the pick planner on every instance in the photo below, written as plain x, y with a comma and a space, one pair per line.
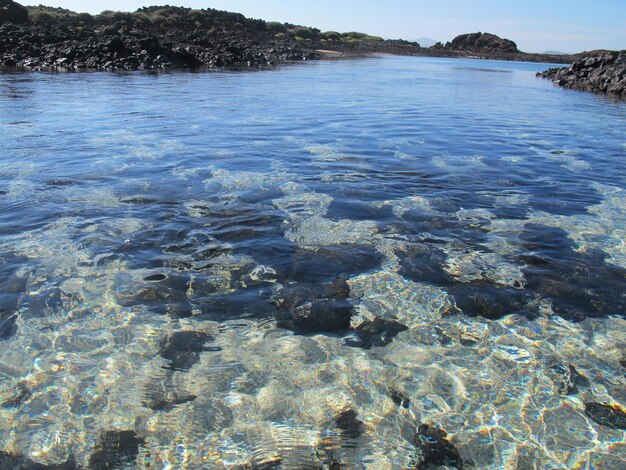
158, 38
603, 72
162, 38
151, 38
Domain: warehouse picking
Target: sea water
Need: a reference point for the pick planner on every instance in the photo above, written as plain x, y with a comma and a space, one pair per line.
296, 267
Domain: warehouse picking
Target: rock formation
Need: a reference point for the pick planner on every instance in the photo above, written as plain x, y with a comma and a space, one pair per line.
482, 43
602, 72
12, 12
150, 38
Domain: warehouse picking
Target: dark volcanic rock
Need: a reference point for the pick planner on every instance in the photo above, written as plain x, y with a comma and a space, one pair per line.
350, 425
482, 42
167, 402
182, 349
490, 300
11, 12
565, 377
322, 316
603, 73
376, 332
399, 398
13, 395
606, 415
18, 462
151, 38
310, 308
115, 449
435, 448
580, 285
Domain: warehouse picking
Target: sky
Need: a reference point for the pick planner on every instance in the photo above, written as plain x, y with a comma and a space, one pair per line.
535, 25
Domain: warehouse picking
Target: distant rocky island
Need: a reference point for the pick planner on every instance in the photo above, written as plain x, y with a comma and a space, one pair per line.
157, 38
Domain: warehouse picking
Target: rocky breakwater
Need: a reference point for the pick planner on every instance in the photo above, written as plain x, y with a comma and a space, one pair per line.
150, 38
601, 72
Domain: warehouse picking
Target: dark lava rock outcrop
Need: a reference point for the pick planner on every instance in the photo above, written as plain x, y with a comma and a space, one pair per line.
481, 43
603, 73
12, 12
150, 38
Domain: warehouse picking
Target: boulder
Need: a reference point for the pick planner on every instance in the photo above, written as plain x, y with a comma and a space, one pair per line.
11, 12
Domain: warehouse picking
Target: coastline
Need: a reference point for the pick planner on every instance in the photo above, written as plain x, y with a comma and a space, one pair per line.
165, 38
47, 39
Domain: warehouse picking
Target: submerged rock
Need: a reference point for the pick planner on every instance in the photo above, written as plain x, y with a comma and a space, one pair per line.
182, 349
12, 288
565, 377
607, 415
19, 462
398, 397
167, 402
7, 323
349, 424
115, 449
13, 394
315, 308
321, 264
435, 449
322, 316
293, 296
376, 332
425, 263
579, 284
161, 293
489, 300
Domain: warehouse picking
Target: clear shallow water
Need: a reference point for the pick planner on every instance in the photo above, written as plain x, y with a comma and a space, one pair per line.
299, 266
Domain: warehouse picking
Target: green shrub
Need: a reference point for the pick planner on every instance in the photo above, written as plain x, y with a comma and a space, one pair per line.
304, 33
331, 36
276, 27
354, 35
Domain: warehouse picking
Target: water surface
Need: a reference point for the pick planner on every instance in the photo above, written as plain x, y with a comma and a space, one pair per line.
295, 267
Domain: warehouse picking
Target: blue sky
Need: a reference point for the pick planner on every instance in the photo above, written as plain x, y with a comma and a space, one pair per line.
536, 25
